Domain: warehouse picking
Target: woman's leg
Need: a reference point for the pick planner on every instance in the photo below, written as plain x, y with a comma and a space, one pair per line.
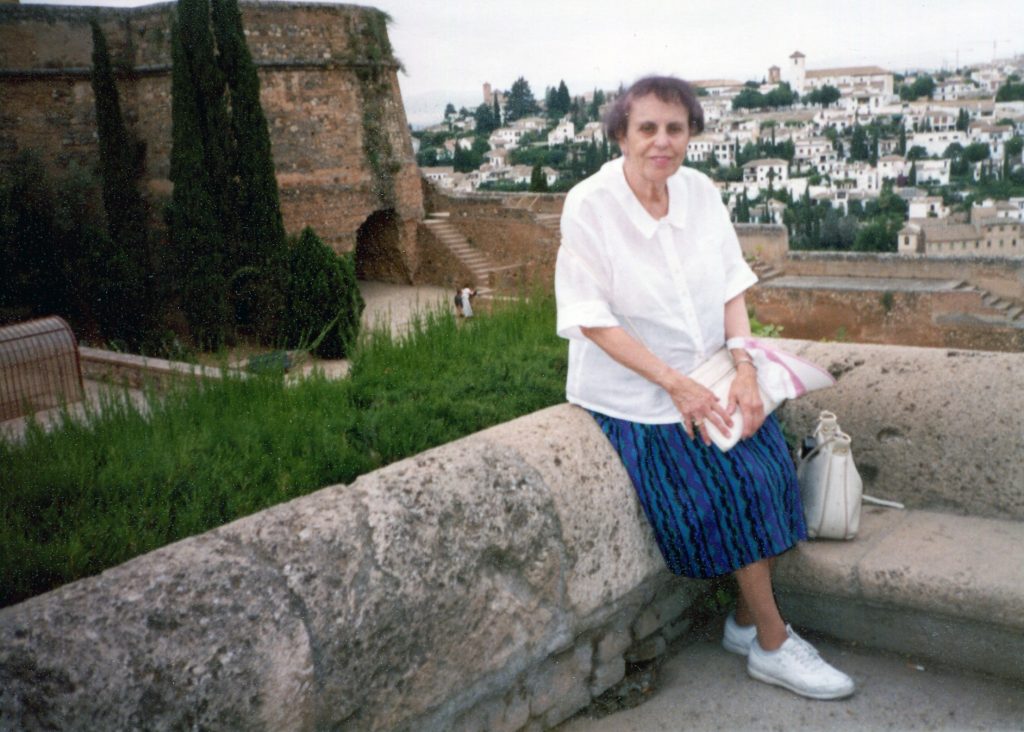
757, 604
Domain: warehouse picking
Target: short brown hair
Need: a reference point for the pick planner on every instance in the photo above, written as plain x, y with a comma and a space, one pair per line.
668, 89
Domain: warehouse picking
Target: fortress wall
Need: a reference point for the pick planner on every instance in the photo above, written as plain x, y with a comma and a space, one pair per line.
1002, 276
309, 89
953, 319
767, 242
495, 583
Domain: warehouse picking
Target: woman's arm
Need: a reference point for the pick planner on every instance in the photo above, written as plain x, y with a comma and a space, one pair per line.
744, 392
694, 401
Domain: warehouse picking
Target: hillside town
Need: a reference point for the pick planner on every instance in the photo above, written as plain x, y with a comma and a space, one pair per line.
854, 158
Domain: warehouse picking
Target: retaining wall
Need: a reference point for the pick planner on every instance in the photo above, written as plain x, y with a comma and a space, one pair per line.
1002, 276
498, 582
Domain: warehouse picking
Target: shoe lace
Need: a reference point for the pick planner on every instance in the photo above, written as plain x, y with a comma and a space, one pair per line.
804, 653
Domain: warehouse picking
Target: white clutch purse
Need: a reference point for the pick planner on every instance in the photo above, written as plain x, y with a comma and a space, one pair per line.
780, 376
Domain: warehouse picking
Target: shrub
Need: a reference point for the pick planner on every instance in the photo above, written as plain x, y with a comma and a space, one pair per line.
323, 298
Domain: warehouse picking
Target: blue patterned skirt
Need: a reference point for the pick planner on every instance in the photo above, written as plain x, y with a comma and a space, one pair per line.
712, 512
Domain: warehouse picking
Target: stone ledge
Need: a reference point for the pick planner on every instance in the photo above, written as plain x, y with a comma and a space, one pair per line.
138, 371
449, 590
948, 588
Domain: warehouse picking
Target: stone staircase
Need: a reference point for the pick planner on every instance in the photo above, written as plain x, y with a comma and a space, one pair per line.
476, 261
550, 221
764, 270
1011, 309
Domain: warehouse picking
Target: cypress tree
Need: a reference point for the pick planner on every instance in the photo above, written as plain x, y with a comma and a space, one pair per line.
124, 303
323, 297
262, 249
199, 175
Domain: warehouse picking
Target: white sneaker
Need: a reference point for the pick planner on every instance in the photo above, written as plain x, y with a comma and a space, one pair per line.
738, 638
797, 666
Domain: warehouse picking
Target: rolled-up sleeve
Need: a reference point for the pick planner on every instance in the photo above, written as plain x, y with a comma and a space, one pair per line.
582, 279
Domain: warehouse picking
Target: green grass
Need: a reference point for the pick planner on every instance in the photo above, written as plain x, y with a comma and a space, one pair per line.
92, 495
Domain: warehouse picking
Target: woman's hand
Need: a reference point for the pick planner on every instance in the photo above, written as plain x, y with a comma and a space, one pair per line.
697, 405
745, 395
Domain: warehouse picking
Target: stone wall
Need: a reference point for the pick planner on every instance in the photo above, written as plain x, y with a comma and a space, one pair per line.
1001, 276
495, 583
951, 318
507, 229
767, 242
307, 55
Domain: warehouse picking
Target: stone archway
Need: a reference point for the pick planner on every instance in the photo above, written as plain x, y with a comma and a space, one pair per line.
379, 253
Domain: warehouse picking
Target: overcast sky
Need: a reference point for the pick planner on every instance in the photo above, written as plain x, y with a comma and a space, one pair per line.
451, 47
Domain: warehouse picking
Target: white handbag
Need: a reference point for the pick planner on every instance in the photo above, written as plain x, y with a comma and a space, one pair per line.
830, 486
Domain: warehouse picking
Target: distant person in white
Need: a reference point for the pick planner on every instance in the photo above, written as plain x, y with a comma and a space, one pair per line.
466, 295
650, 281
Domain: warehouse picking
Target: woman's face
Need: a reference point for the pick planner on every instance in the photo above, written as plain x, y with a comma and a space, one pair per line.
654, 145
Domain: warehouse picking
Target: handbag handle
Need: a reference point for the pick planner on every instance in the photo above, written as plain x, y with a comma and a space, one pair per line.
865, 498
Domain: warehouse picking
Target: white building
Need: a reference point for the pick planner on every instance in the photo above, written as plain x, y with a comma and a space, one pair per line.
764, 170
563, 133
591, 132
497, 157
995, 136
866, 79
990, 238
892, 167
507, 137
703, 146
815, 153
927, 207
440, 175
935, 143
935, 172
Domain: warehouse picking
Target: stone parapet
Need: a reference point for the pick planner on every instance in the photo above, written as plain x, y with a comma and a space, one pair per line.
1002, 276
498, 582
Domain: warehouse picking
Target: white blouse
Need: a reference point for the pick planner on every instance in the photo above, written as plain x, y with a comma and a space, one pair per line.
664, 281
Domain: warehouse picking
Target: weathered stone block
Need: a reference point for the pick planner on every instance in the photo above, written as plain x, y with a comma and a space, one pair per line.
561, 684
606, 675
647, 649
614, 642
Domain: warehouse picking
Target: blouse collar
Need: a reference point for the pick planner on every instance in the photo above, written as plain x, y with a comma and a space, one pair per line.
646, 224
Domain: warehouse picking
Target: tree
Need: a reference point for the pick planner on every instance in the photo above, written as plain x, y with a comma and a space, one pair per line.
878, 235
199, 172
1013, 148
259, 271
562, 98
520, 101
903, 140
916, 153
538, 181
859, 144
829, 95
594, 110
923, 86
1010, 92
963, 120
125, 305
449, 110
323, 297
957, 165
486, 123
748, 99
976, 152
781, 96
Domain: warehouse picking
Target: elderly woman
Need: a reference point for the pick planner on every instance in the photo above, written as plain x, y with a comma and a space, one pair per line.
650, 281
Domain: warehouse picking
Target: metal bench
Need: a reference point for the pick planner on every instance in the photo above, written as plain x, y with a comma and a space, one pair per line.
39, 367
